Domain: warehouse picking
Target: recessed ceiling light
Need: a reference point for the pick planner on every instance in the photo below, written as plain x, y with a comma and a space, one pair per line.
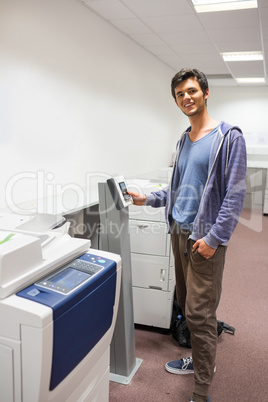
206, 6
242, 56
251, 80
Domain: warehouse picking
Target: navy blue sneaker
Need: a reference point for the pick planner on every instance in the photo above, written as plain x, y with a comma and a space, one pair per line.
182, 366
192, 400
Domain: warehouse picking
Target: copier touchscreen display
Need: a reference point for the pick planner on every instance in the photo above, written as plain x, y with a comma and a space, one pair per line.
68, 279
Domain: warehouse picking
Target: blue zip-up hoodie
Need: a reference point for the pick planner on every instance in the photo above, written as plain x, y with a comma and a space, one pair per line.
224, 193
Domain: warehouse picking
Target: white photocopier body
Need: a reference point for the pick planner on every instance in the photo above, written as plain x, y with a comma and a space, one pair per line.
58, 306
152, 262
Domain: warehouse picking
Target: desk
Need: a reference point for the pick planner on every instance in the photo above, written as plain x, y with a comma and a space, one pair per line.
75, 203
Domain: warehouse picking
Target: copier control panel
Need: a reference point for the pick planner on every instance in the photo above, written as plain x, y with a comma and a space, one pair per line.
72, 281
118, 188
73, 275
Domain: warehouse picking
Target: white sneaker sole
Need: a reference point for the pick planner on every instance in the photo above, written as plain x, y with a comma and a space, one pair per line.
183, 372
177, 371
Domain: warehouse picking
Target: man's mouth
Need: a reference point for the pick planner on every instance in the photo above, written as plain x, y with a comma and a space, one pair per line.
188, 104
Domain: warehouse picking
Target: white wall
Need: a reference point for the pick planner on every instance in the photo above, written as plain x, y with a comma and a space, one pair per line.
78, 97
246, 107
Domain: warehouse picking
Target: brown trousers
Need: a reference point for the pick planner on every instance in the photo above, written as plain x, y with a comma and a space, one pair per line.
198, 287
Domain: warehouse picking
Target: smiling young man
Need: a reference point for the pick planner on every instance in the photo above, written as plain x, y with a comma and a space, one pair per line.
203, 203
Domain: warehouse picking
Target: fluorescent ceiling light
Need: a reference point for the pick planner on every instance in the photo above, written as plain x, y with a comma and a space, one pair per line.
206, 6
242, 56
258, 80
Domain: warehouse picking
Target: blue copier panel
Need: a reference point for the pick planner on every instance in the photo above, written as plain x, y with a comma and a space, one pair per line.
81, 295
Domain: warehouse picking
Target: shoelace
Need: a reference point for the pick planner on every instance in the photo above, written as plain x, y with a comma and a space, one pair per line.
186, 362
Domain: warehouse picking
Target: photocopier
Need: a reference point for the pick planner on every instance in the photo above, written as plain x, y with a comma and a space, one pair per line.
58, 306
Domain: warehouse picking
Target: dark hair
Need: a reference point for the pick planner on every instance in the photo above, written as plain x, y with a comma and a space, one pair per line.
186, 73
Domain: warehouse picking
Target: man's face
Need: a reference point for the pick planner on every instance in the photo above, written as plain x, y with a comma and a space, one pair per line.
190, 98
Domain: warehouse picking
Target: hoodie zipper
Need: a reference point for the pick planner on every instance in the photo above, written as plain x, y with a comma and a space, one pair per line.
174, 167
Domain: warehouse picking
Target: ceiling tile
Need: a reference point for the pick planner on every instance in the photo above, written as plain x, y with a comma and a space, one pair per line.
265, 36
229, 82
206, 57
158, 8
161, 50
190, 37
236, 46
246, 69
147, 39
131, 26
235, 35
109, 9
177, 66
207, 67
175, 60
173, 23
179, 37
264, 16
196, 49
230, 19
262, 3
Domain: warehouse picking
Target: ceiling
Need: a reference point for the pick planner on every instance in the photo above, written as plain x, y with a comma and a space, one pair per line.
180, 37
